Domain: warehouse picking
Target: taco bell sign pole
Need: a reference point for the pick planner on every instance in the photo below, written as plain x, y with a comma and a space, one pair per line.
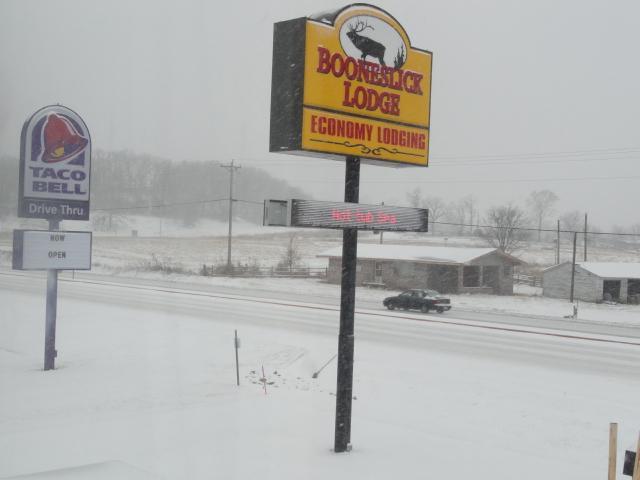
55, 171
348, 85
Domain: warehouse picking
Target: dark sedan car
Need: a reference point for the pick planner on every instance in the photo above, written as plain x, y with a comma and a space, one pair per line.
423, 300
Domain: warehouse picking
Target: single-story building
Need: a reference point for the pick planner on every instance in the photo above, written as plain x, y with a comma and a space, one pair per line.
594, 281
445, 269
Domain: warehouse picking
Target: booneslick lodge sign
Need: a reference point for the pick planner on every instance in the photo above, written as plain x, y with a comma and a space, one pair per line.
348, 82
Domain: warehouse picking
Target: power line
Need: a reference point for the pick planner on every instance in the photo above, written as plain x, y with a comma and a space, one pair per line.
529, 161
498, 158
506, 180
437, 162
512, 180
534, 229
158, 205
570, 153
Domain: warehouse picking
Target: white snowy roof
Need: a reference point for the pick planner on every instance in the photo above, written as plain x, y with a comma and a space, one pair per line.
418, 253
612, 269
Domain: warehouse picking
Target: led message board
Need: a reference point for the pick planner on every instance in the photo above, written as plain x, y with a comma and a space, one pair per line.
317, 214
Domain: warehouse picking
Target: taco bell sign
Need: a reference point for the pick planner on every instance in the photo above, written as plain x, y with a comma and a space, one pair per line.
55, 166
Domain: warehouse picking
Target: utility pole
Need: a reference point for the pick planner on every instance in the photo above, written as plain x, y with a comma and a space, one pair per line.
381, 232
573, 266
558, 244
585, 237
231, 167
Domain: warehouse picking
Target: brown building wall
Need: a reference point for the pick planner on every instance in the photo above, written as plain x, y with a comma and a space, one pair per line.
364, 271
400, 275
504, 283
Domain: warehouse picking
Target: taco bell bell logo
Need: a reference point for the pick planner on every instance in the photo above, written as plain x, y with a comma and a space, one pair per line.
61, 140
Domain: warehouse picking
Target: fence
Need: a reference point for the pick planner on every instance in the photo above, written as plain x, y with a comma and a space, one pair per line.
532, 280
256, 271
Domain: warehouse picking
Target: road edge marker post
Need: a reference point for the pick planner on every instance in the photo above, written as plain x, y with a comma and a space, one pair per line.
236, 344
613, 449
636, 464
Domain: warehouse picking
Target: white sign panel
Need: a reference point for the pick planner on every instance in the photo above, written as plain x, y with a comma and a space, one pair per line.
57, 250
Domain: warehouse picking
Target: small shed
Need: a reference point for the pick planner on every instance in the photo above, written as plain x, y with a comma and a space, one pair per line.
594, 281
445, 269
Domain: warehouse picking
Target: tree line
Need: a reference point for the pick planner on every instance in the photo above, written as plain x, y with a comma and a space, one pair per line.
128, 183
508, 226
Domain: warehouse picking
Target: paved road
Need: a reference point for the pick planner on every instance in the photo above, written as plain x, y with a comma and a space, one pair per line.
498, 338
511, 319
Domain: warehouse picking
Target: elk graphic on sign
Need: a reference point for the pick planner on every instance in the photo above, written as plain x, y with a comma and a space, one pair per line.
367, 46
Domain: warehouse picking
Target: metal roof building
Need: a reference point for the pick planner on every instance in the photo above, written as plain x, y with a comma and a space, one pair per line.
594, 281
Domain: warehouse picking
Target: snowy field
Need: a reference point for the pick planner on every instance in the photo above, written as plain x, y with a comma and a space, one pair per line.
145, 388
206, 242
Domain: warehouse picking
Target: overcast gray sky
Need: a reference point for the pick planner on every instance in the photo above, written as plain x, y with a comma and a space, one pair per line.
516, 84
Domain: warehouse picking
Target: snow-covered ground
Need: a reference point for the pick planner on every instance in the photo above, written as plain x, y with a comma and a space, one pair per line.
146, 384
205, 242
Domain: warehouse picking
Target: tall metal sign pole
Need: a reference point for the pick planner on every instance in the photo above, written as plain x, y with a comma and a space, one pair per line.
344, 390
349, 216
55, 170
573, 267
348, 84
51, 311
558, 244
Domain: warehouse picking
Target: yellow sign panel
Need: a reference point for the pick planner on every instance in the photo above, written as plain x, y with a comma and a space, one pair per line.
356, 87
345, 134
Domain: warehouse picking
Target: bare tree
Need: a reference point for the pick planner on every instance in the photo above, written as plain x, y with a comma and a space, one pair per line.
414, 197
541, 204
572, 221
503, 229
467, 204
437, 209
456, 214
291, 256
